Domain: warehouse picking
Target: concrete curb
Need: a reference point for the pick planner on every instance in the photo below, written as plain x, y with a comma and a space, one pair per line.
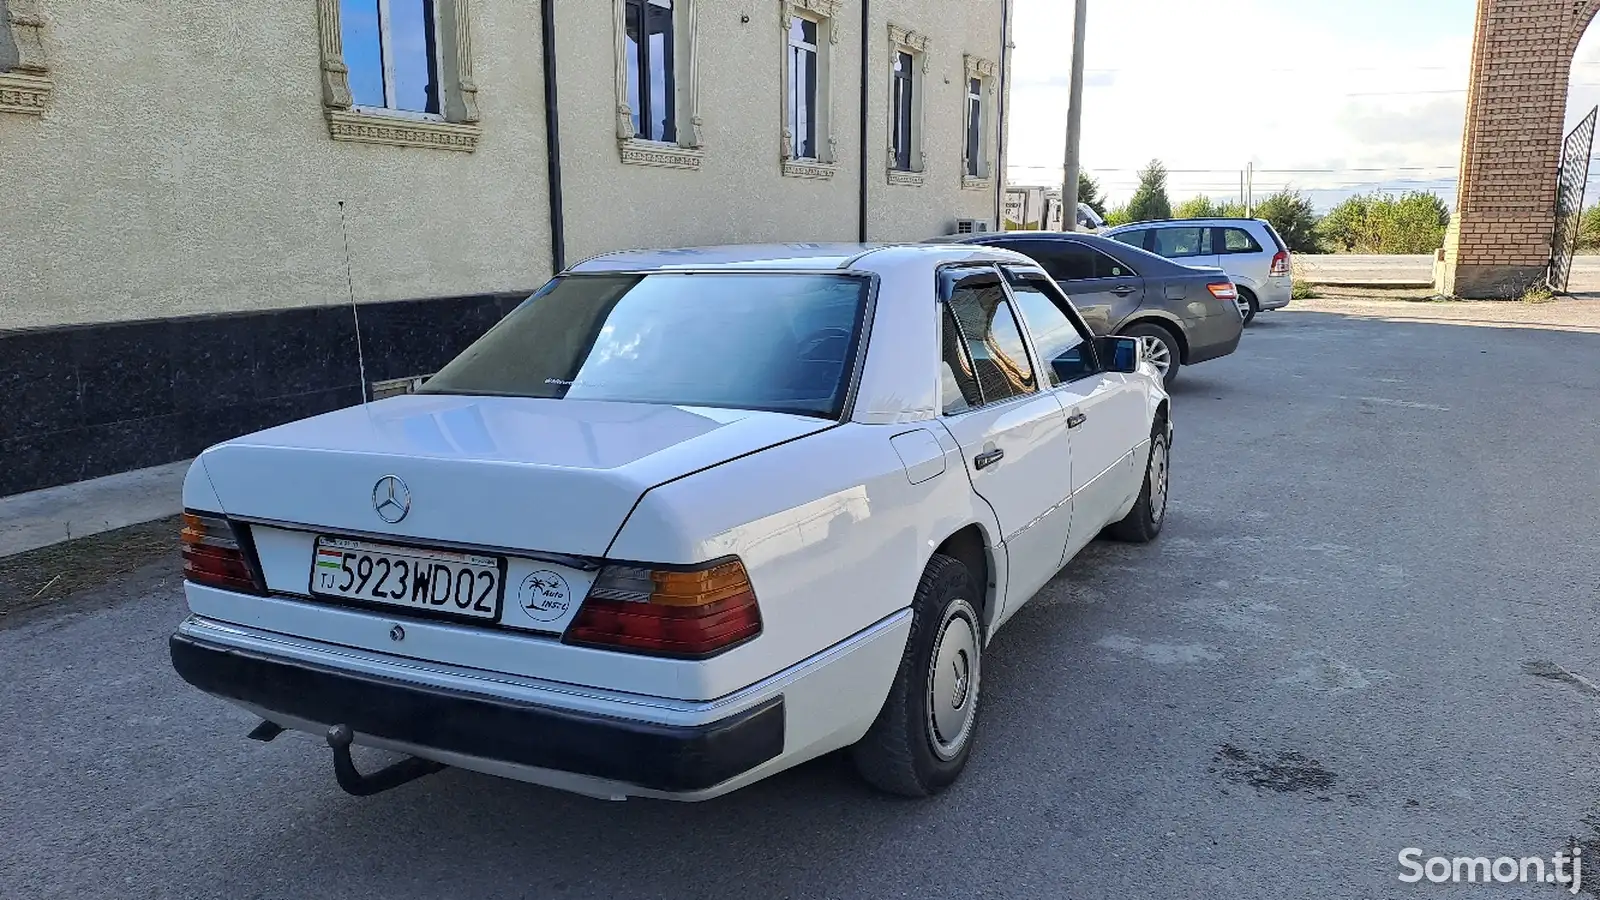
53, 515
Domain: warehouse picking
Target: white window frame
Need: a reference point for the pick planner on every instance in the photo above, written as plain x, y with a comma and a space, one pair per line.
688, 151
25, 83
825, 14
983, 71
917, 44
455, 127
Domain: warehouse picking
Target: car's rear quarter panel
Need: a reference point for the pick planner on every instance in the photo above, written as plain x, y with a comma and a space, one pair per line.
831, 529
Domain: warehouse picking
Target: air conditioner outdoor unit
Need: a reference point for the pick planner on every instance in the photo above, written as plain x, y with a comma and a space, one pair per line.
972, 226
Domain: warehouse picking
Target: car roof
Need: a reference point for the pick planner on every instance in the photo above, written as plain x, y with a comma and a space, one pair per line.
821, 256
1156, 223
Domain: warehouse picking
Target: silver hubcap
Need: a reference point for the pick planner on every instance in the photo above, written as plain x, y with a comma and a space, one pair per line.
1158, 480
953, 681
1156, 352
1244, 306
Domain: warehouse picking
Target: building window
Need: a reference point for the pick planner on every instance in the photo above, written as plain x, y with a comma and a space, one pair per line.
908, 61
391, 48
25, 82
399, 72
974, 124
652, 81
904, 94
976, 165
657, 120
802, 88
810, 30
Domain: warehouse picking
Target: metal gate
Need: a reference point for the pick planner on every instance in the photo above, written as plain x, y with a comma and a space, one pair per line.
1574, 178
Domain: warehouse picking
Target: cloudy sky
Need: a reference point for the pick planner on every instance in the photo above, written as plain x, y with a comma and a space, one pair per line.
1328, 97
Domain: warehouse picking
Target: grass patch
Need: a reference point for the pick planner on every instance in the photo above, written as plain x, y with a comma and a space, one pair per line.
1302, 290
1538, 294
43, 576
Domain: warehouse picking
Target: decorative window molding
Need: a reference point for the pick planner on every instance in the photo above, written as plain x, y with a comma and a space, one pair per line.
976, 68
822, 164
455, 127
909, 172
687, 151
25, 84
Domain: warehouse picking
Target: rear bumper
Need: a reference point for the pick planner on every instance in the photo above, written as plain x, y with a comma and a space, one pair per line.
1275, 293
1213, 336
654, 756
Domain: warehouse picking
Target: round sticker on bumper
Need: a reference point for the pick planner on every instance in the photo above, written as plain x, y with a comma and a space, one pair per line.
544, 595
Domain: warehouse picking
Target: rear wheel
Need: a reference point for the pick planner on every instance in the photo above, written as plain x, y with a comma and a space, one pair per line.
923, 735
1160, 348
1248, 307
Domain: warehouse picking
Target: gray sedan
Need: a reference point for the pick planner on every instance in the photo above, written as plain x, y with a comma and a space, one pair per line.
1184, 315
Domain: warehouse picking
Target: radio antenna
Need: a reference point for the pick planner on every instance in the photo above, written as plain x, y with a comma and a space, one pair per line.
350, 282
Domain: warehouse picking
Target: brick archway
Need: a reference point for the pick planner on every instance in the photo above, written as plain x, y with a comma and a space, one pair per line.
1498, 244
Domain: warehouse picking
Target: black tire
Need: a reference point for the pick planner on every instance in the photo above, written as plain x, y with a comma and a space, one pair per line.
1143, 523
1167, 338
1255, 307
898, 753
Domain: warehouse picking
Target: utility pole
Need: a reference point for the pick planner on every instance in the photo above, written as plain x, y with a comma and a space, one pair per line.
1074, 166
1250, 189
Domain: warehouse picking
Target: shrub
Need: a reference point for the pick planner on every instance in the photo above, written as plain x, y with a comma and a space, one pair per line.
1294, 218
1414, 222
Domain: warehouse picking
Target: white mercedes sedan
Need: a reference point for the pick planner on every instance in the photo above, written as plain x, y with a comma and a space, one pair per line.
681, 520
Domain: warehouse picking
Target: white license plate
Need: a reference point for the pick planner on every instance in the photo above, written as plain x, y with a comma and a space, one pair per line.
458, 584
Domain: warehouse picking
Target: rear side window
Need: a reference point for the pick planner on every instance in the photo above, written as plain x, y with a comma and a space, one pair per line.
1133, 238
1064, 260
1064, 351
779, 342
1070, 260
1237, 240
990, 344
1276, 239
1176, 243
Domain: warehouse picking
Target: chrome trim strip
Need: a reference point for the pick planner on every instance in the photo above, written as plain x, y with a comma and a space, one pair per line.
561, 559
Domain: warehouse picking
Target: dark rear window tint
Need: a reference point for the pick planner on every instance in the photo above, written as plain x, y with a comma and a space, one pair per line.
778, 342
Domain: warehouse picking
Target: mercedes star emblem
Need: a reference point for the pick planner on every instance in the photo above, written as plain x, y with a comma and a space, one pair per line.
391, 498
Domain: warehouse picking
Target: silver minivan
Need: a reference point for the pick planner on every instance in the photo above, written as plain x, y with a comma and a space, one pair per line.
1249, 250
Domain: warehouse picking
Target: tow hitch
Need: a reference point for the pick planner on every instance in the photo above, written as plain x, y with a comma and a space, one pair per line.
392, 776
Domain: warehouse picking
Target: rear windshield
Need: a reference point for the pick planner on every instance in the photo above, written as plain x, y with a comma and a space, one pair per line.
780, 342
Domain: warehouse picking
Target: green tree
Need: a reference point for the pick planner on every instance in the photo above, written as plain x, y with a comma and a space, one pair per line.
1589, 229
1346, 228
1198, 208
1150, 200
1414, 222
1089, 194
1118, 215
1294, 218
1233, 209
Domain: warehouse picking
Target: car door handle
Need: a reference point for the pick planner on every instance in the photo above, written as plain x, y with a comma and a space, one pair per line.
1076, 419
1124, 290
985, 460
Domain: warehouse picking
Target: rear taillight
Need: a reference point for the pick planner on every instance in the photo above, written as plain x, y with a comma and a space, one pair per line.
212, 555
665, 612
1280, 264
1223, 290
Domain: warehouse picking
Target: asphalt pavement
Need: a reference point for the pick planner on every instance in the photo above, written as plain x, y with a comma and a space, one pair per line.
1368, 626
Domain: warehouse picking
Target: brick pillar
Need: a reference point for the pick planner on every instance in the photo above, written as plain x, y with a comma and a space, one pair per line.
1498, 244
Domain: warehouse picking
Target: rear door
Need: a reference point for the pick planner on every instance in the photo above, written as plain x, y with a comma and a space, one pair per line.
1013, 433
1241, 255
1104, 290
1186, 245
1105, 410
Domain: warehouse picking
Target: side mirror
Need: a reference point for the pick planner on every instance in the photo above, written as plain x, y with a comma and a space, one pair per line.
1119, 354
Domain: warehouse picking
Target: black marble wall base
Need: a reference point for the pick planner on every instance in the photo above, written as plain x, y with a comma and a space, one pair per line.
92, 400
